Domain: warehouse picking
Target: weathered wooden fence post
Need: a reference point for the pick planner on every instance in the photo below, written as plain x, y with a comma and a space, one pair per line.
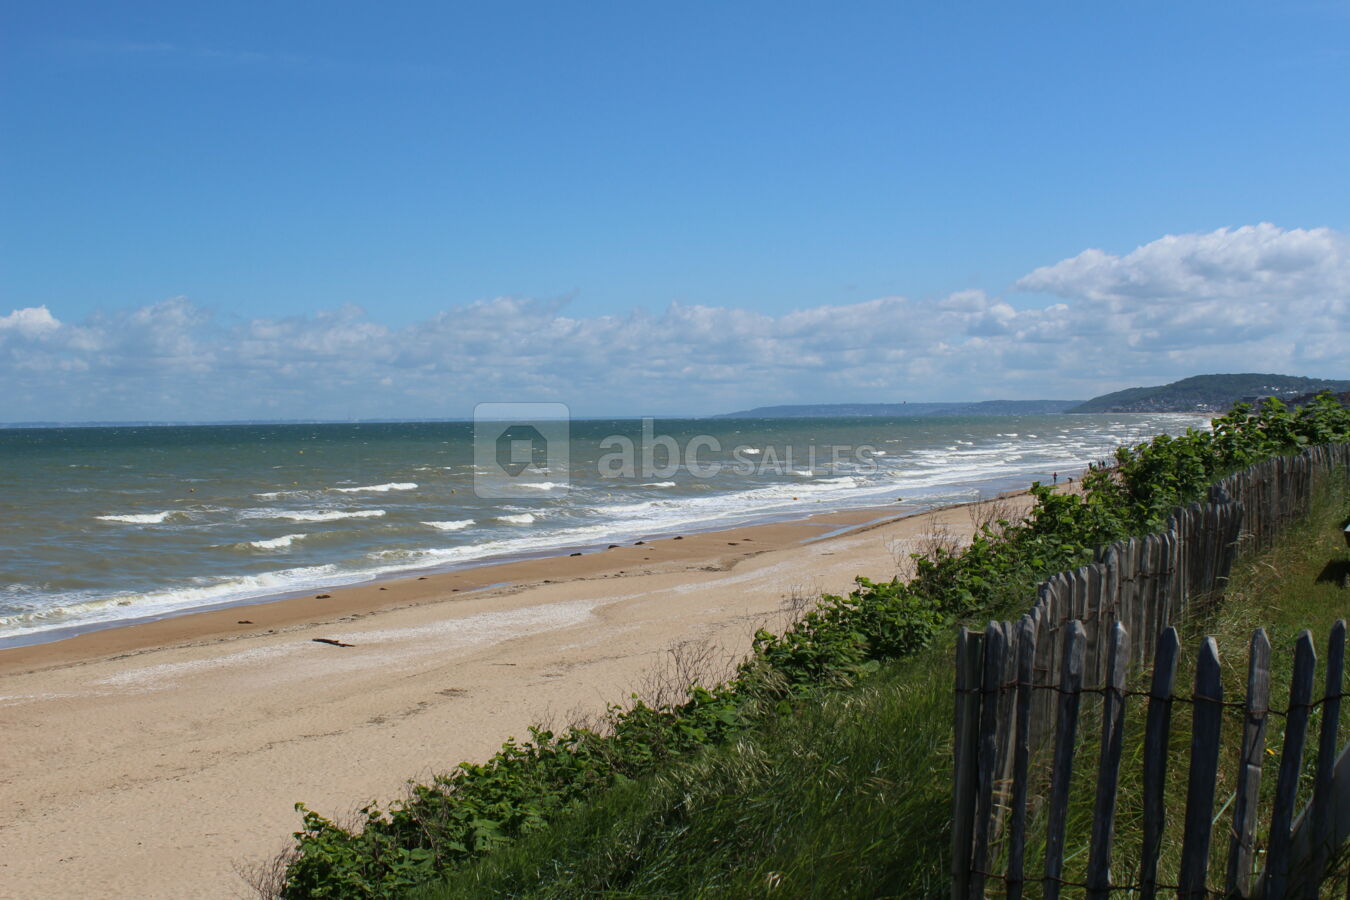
1061, 774
1026, 661
969, 656
995, 650
1207, 719
1322, 801
1242, 846
1291, 762
1108, 771
1156, 734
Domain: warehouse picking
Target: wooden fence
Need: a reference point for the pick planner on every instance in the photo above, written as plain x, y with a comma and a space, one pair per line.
1277, 492
1012, 699
986, 806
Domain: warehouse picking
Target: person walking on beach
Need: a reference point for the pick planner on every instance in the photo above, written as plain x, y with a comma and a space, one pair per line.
1055, 475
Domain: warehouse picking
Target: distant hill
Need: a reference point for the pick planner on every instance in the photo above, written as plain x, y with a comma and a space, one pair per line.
1208, 393
1015, 408
896, 410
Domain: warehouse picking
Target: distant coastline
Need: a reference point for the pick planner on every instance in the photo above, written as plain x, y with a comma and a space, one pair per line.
1197, 394
907, 410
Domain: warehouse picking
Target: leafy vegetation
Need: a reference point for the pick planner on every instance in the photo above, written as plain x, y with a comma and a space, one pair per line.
788, 680
846, 797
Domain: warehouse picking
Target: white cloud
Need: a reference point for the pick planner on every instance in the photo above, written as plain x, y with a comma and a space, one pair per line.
1249, 264
1251, 298
1256, 298
34, 321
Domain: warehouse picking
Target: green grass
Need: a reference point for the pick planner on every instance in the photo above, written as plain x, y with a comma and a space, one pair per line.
849, 796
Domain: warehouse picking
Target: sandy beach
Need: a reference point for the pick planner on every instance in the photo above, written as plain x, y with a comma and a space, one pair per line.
155, 760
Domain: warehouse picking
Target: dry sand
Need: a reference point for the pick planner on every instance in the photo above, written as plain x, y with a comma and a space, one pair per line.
151, 761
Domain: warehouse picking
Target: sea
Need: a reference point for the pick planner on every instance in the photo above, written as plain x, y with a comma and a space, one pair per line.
103, 526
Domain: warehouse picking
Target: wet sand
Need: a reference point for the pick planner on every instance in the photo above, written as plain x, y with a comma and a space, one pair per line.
154, 760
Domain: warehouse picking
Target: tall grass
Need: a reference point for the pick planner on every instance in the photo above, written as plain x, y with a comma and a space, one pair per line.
848, 797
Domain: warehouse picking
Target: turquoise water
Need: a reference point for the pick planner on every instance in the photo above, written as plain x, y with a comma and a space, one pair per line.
104, 525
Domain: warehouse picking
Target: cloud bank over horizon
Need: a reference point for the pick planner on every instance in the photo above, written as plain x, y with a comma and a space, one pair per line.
1254, 298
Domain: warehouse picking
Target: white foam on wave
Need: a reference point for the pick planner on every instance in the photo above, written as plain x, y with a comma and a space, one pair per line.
398, 554
539, 485
378, 488
331, 515
456, 525
279, 543
275, 495
659, 484
191, 594
401, 560
517, 518
913, 474
141, 518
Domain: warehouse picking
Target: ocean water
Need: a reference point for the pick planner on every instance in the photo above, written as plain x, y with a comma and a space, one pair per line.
100, 526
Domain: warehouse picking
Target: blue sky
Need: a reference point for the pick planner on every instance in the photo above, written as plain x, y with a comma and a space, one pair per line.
179, 179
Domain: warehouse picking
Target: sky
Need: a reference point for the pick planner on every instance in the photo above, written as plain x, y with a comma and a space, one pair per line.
355, 210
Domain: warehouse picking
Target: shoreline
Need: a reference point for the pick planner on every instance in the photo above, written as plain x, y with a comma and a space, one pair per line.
268, 615
308, 605
158, 760
198, 585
